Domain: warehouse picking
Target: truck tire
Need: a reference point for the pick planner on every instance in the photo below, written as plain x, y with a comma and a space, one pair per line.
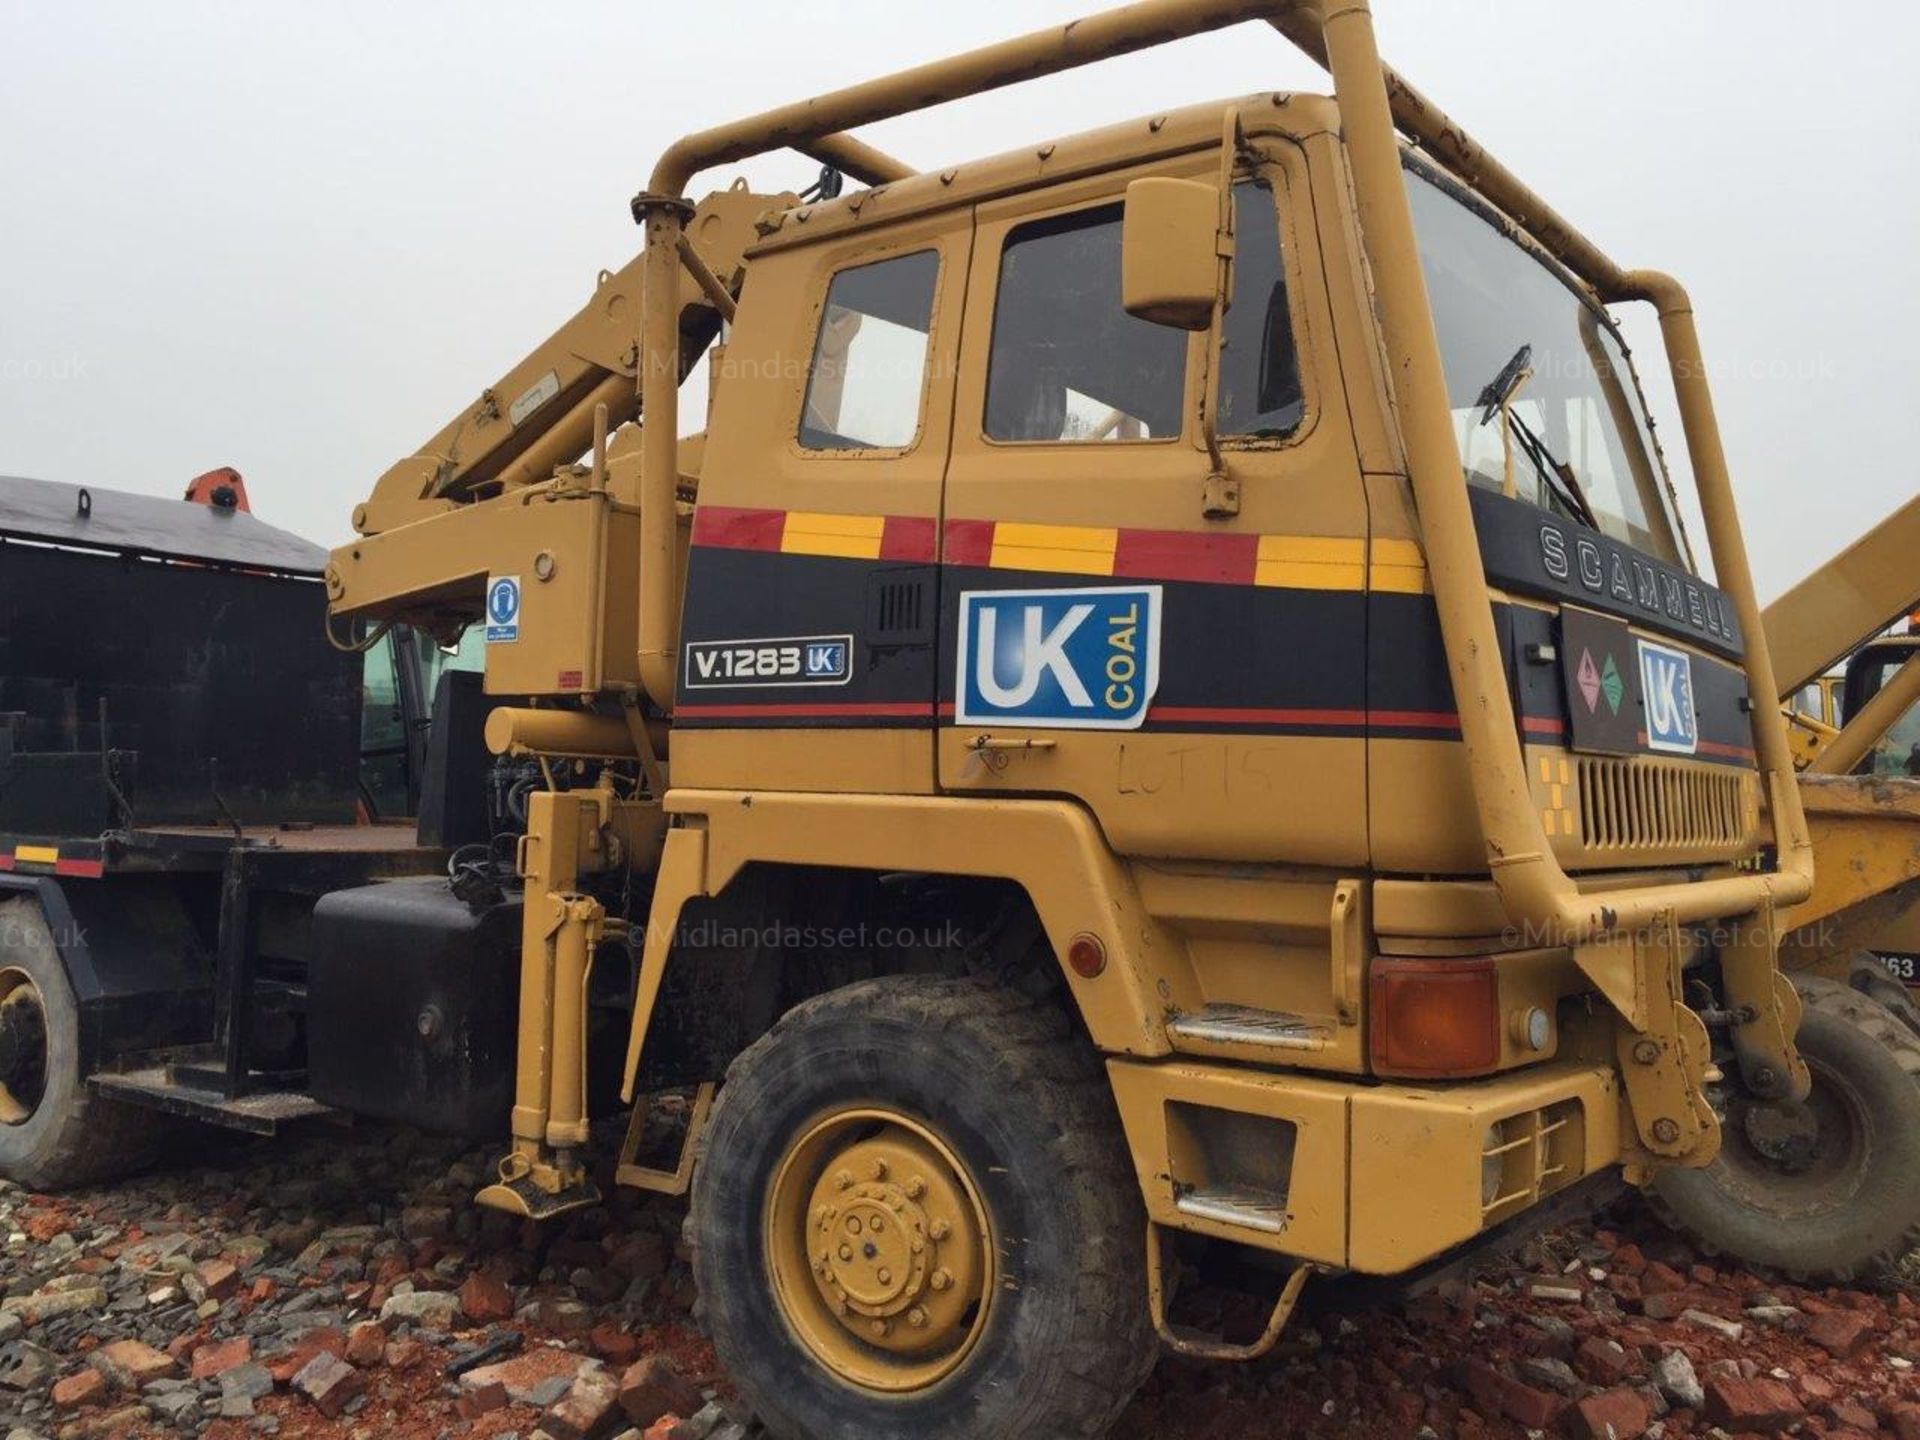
54, 1132
1836, 1200
915, 1215
1870, 976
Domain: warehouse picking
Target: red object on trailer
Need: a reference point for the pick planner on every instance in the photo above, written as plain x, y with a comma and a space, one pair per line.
222, 488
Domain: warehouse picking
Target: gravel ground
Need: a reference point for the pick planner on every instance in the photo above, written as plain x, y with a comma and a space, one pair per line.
321, 1284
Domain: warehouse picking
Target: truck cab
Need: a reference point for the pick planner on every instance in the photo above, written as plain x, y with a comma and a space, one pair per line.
1168, 708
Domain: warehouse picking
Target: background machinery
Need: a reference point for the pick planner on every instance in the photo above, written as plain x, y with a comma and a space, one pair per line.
1859, 760
180, 780
1847, 688
1182, 629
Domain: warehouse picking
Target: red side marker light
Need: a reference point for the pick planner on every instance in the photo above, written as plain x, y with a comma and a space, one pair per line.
1087, 956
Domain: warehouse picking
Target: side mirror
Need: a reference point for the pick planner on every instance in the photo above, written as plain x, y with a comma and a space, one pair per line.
1169, 255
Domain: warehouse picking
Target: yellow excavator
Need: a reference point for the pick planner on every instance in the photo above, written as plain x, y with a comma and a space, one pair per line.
1833, 635
1848, 687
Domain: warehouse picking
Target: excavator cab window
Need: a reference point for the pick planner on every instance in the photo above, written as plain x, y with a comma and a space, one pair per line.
384, 751
1810, 700
469, 652
869, 367
400, 676
1898, 751
1067, 362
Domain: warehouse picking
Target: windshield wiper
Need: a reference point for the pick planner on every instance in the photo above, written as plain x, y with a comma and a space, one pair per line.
1555, 474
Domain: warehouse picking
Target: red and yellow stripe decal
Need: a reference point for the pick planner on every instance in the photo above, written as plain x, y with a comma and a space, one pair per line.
47, 860
1297, 562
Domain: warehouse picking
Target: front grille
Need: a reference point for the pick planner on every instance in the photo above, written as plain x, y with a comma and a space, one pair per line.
1644, 805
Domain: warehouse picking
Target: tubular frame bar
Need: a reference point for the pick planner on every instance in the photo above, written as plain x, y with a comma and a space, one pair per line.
1374, 103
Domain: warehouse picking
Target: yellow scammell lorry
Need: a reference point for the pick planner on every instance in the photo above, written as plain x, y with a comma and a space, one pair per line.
1167, 709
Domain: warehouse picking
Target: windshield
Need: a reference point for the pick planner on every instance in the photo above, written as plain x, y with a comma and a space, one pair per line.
1573, 408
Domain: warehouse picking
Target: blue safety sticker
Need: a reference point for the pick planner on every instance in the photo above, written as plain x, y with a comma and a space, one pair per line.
503, 609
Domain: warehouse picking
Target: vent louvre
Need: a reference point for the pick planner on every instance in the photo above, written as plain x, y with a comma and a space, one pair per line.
1642, 804
898, 609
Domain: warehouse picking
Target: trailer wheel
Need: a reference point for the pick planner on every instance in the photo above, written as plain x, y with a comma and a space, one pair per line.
916, 1215
1828, 1190
54, 1133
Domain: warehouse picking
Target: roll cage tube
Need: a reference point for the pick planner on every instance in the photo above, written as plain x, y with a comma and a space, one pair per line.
1374, 103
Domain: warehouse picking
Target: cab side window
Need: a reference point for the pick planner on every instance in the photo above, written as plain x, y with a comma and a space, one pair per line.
867, 380
1259, 367
1067, 362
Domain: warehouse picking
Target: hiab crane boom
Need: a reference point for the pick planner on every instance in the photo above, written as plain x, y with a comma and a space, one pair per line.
1168, 709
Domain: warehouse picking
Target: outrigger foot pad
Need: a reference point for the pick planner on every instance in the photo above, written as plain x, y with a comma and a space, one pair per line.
526, 1197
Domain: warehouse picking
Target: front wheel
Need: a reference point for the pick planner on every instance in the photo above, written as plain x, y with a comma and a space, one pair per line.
915, 1216
1828, 1189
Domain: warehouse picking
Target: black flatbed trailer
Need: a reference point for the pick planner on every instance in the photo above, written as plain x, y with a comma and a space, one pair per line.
180, 785
91, 888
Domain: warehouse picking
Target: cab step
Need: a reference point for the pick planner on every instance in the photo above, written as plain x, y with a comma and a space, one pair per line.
1241, 1206
1244, 1025
160, 1087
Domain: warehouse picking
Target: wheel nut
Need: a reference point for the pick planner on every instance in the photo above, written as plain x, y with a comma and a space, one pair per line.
844, 1180
846, 1252
917, 1318
878, 1170
942, 1280
880, 1328
939, 1230
916, 1187
884, 1275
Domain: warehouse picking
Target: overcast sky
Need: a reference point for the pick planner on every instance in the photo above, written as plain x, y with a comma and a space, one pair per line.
297, 239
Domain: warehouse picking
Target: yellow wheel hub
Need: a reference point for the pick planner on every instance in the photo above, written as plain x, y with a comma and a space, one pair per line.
23, 1046
880, 1250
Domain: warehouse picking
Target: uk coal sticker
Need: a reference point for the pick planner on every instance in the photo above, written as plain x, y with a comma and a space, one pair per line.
1069, 659
1666, 677
503, 609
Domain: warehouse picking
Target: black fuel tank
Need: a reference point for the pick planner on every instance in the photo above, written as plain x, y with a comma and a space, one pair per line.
413, 999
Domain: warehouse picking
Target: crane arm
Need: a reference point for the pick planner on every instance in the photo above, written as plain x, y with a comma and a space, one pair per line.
540, 413
1847, 601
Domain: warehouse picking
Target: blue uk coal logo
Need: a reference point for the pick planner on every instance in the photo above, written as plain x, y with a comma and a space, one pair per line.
827, 659
1086, 659
1666, 679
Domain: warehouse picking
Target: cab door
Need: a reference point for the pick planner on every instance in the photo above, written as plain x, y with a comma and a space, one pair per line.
1199, 683
808, 630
